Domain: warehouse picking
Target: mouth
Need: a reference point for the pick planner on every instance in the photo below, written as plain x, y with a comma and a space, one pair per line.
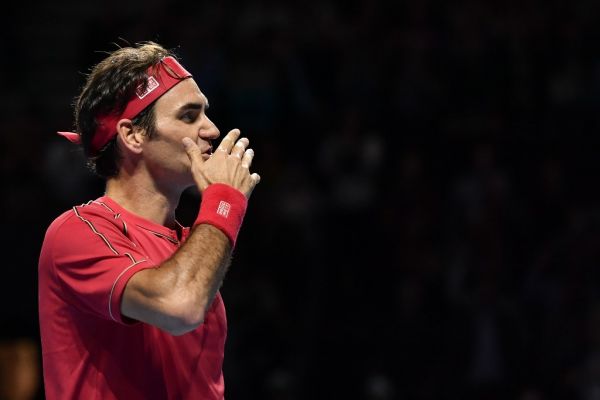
207, 153
206, 148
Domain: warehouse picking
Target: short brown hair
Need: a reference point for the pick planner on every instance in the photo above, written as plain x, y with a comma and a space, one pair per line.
108, 88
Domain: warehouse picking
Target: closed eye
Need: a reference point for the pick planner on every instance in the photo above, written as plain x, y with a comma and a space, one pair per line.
189, 116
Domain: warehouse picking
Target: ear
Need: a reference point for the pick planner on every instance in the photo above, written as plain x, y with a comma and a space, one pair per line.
131, 138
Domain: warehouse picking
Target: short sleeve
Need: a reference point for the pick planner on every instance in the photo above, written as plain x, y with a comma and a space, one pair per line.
92, 260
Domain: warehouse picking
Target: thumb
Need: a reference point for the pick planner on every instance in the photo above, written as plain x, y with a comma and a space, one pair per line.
192, 150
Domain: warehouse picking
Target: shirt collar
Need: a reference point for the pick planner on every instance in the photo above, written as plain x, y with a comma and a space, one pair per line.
144, 223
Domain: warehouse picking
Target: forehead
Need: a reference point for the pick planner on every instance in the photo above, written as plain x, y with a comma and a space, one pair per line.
185, 92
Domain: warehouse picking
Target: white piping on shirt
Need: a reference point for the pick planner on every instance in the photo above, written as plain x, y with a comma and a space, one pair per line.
115, 284
95, 231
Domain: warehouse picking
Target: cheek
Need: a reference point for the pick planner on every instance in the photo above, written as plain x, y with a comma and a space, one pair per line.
173, 131
166, 146
168, 160
167, 135
164, 150
171, 151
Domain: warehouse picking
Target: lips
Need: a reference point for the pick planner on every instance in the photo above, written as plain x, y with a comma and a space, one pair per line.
207, 153
205, 146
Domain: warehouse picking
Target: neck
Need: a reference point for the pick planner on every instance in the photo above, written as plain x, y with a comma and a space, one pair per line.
144, 198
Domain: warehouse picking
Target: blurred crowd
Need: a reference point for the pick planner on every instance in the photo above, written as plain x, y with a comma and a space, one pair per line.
428, 222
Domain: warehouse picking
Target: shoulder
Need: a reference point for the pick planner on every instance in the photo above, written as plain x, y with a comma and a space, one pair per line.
82, 219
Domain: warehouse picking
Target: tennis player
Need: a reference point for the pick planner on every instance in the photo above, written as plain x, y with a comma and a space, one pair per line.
129, 300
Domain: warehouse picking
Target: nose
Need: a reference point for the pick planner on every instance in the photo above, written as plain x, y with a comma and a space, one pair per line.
208, 130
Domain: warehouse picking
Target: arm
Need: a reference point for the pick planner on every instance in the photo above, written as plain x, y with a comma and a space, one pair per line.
175, 296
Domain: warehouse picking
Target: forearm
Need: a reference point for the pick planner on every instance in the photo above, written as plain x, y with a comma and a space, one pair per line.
175, 295
198, 268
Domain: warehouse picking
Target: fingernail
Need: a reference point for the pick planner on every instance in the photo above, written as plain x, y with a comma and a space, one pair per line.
187, 142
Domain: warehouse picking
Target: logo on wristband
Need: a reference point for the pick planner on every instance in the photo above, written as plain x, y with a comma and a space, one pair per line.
223, 209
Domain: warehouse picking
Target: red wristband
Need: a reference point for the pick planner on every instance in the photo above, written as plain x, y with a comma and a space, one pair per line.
224, 208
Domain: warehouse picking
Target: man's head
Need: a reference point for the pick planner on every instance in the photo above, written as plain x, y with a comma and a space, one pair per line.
115, 89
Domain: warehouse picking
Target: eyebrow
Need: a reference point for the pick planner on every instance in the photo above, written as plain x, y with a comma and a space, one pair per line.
195, 106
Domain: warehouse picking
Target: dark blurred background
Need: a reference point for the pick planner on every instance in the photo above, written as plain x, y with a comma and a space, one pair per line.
427, 225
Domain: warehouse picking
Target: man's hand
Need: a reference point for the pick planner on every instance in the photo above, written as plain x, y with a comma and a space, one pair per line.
229, 164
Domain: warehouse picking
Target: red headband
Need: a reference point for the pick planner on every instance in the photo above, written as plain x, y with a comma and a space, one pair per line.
161, 79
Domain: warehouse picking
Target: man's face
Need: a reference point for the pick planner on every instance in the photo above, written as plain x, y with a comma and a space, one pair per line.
179, 113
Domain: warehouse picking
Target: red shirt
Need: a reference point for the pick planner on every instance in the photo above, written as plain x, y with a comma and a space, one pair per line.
89, 349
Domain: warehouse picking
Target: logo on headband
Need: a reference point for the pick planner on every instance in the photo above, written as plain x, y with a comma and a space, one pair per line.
152, 84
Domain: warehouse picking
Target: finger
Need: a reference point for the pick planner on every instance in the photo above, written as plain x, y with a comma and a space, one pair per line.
247, 159
192, 150
255, 179
228, 141
240, 147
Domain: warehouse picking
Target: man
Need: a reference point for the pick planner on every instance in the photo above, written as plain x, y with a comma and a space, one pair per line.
129, 299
